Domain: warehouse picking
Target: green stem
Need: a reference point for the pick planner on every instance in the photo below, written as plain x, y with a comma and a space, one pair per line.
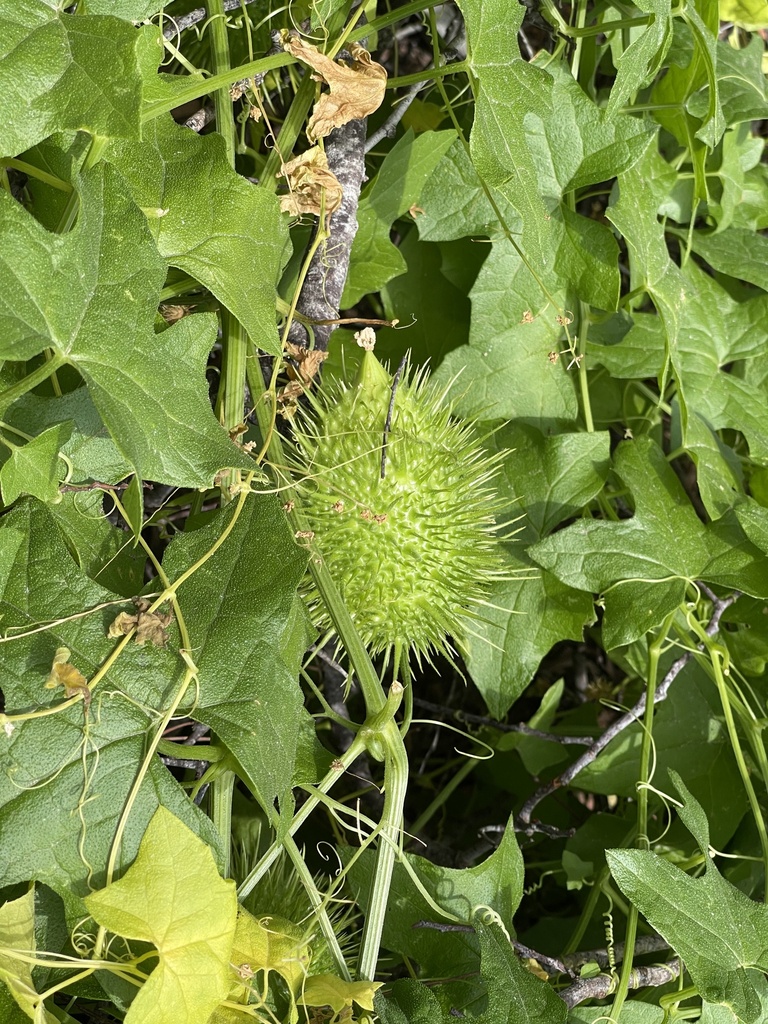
655, 651
355, 749
716, 654
35, 172
380, 726
432, 74
391, 18
32, 380
388, 848
222, 789
217, 29
289, 132
199, 86
441, 799
231, 400
318, 906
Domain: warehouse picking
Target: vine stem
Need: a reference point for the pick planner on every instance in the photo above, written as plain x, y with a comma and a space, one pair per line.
718, 658
387, 851
380, 734
655, 651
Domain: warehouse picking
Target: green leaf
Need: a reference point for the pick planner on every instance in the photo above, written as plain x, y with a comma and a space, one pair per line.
60, 73
65, 759
441, 310
17, 932
504, 371
713, 332
397, 186
670, 94
268, 944
587, 255
640, 61
91, 296
408, 1002
455, 204
635, 217
35, 468
506, 85
662, 546
328, 990
496, 883
716, 929
10, 1013
91, 451
574, 144
738, 252
515, 996
322, 10
211, 223
128, 10
530, 616
632, 1012
236, 606
103, 552
550, 478
741, 153
546, 479
173, 896
690, 738
741, 82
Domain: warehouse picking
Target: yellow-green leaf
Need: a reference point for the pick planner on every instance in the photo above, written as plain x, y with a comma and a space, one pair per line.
173, 896
749, 14
328, 990
17, 931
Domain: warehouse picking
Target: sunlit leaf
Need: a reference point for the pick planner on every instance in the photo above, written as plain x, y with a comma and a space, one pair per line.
173, 896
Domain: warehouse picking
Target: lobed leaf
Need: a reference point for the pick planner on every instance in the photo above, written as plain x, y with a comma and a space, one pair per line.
91, 295
60, 73
173, 896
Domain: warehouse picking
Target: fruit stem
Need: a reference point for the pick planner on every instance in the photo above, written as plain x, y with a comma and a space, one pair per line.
388, 849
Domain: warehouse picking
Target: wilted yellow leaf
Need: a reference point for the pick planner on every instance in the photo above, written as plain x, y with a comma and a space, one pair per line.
66, 675
356, 88
308, 175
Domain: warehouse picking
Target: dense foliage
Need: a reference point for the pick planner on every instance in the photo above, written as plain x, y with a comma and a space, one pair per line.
209, 810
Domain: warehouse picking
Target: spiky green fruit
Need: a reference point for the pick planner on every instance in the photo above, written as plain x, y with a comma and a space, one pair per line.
414, 550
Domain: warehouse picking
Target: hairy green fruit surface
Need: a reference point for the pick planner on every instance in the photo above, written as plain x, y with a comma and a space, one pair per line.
413, 551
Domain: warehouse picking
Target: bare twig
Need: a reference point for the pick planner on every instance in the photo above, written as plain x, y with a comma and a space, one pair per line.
521, 727
192, 763
602, 986
643, 944
551, 964
388, 128
201, 118
196, 733
183, 21
719, 607
598, 987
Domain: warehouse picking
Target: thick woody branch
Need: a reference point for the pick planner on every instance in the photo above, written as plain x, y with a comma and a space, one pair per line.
603, 985
323, 286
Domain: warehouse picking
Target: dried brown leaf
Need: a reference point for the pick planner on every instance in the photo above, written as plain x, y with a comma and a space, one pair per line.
356, 88
308, 177
308, 362
151, 627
